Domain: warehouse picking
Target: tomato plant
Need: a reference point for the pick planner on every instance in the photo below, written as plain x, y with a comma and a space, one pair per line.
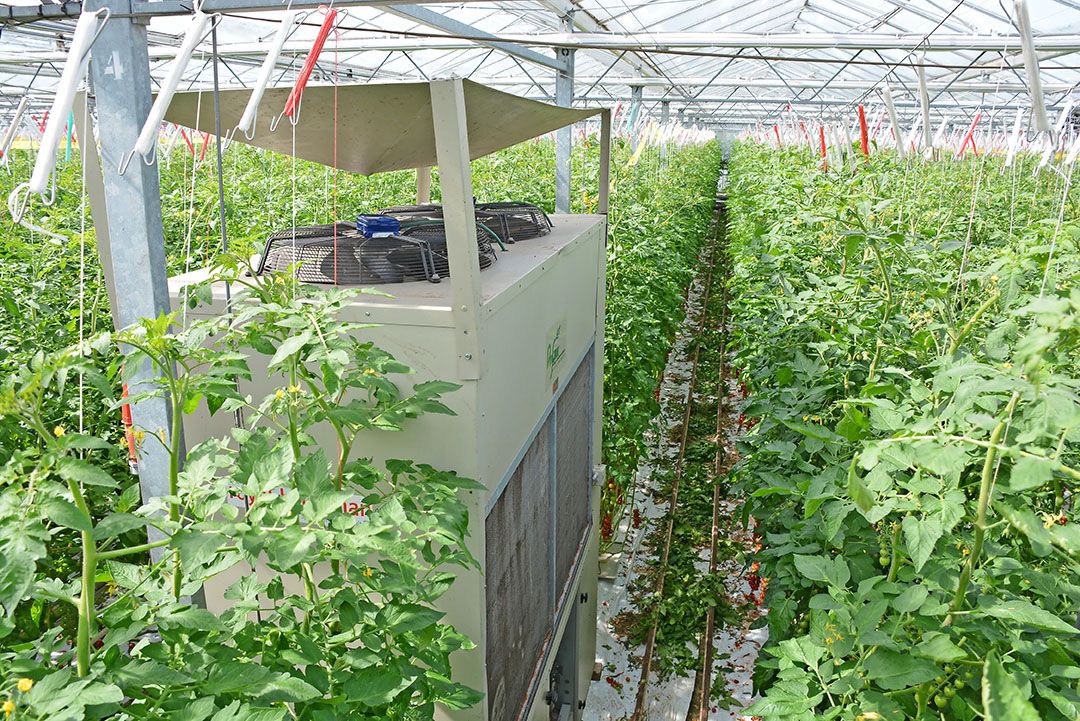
908, 334
345, 627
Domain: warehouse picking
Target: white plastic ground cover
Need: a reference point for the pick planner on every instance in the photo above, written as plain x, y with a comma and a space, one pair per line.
613, 696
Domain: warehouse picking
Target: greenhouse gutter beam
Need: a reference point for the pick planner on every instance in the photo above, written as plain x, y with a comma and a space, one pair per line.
424, 16
585, 21
943, 42
160, 8
787, 84
810, 108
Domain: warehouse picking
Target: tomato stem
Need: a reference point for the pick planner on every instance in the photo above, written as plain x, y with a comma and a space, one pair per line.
985, 485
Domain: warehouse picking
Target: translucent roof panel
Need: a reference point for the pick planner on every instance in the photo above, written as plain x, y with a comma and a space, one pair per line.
714, 62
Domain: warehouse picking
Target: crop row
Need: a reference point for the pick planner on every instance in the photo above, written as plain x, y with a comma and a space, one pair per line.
908, 334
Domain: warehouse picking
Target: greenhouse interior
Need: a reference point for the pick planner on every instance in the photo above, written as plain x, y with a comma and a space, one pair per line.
539, 360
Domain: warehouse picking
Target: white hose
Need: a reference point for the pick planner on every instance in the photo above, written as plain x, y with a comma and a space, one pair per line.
86, 32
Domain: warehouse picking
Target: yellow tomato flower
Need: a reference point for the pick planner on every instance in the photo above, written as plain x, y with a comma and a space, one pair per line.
368, 572
279, 394
295, 389
370, 372
58, 431
9, 708
25, 684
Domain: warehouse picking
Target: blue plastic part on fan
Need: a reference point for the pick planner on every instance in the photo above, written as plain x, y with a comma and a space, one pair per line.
375, 226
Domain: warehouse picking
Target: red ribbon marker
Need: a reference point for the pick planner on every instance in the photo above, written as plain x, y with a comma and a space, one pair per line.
969, 137
802, 127
309, 64
129, 433
187, 140
863, 133
824, 155
779, 142
205, 143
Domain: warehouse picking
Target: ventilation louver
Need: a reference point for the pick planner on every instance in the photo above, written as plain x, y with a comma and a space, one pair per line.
413, 255
536, 534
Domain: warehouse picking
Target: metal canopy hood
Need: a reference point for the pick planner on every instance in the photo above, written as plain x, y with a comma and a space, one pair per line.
380, 126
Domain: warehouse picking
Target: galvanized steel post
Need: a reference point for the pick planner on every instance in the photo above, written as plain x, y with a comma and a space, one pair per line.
120, 72
564, 139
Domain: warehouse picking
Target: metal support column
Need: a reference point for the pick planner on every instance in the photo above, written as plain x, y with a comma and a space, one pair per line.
423, 185
665, 118
564, 137
120, 71
635, 112
455, 182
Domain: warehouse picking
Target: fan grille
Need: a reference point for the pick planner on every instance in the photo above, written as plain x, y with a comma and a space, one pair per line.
521, 220
356, 261
510, 221
434, 233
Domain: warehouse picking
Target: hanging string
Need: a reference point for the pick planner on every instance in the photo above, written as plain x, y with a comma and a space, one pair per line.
82, 248
189, 221
334, 206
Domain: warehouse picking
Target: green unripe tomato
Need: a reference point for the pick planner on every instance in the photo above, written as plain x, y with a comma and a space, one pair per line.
948, 668
959, 684
950, 692
883, 560
940, 701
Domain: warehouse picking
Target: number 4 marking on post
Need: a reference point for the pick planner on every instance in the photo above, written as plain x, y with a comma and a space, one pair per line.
114, 67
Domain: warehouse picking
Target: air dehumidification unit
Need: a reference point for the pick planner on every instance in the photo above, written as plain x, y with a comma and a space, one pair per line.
520, 329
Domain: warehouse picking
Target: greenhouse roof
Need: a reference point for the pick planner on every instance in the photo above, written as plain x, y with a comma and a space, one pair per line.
717, 63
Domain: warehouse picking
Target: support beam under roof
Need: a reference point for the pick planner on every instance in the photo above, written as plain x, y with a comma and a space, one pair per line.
789, 84
448, 24
158, 8
940, 42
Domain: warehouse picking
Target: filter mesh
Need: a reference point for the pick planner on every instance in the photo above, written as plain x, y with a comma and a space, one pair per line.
573, 471
520, 613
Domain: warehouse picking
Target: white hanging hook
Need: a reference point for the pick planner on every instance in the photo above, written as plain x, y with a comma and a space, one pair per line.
87, 31
289, 23
19, 201
198, 28
339, 18
13, 130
